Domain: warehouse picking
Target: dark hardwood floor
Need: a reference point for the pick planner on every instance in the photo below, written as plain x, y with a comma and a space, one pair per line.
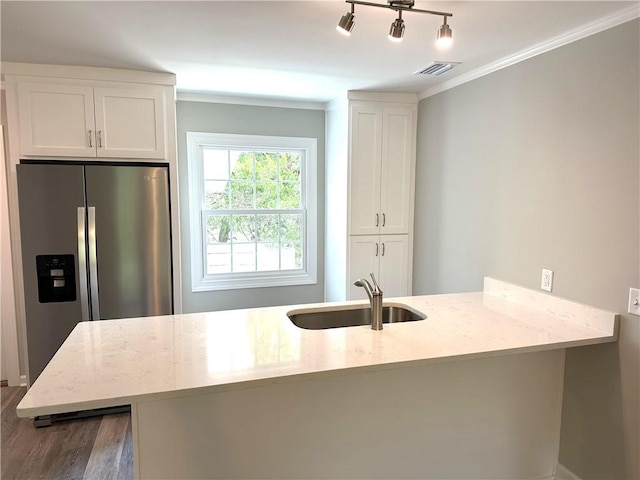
91, 448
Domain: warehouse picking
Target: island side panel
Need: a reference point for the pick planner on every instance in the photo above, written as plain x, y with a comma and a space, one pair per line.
494, 417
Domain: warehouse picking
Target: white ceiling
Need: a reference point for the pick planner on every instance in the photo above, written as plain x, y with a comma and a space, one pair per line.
280, 49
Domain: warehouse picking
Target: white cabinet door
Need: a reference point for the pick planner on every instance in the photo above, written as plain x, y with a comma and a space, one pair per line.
387, 256
129, 123
397, 153
56, 120
381, 160
364, 251
364, 176
394, 261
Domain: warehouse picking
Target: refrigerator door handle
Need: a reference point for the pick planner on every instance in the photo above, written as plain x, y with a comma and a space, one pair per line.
93, 264
82, 265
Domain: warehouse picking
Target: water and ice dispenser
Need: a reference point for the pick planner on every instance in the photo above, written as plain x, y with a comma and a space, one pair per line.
56, 278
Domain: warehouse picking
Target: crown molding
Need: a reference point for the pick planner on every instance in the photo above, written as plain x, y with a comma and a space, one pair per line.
397, 97
87, 73
566, 38
250, 101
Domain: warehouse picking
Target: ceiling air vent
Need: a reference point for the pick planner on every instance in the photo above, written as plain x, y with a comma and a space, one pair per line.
437, 68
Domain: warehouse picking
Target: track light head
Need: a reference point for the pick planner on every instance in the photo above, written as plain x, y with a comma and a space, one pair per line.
445, 35
397, 30
346, 23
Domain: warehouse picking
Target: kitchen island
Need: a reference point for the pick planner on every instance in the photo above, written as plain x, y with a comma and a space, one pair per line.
472, 391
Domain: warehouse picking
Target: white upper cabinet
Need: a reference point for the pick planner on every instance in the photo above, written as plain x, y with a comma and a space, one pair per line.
82, 121
130, 123
382, 146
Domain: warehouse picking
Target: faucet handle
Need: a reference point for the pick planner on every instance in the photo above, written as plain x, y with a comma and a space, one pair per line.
375, 283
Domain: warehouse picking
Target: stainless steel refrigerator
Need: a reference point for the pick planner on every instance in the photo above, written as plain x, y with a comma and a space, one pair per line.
96, 244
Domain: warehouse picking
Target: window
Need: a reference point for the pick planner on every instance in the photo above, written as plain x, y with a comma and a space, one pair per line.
253, 210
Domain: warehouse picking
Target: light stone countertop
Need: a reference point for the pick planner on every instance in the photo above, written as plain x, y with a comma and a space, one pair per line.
117, 362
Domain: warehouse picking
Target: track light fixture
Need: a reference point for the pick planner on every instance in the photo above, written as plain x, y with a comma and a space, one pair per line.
397, 29
445, 36
346, 23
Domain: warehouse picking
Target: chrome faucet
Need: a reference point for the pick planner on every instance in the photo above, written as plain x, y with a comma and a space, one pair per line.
375, 297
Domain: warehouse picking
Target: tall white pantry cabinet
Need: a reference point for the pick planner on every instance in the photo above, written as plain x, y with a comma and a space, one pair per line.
370, 171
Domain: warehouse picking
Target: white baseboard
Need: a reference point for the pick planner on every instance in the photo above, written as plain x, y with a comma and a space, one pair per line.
563, 473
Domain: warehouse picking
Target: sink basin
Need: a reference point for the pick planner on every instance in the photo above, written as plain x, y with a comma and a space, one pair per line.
351, 315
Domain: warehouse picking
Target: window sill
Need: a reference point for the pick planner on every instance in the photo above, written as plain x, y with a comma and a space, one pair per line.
209, 284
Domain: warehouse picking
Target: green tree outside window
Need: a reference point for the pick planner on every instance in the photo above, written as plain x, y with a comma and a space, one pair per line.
254, 182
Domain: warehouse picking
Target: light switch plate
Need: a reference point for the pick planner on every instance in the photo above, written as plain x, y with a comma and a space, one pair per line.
634, 301
547, 280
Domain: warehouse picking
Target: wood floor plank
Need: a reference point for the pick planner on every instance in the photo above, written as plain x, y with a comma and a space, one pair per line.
9, 398
9, 394
17, 439
91, 448
31, 463
72, 452
107, 448
125, 468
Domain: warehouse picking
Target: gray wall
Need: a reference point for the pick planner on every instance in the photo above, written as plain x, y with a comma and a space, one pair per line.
250, 120
538, 166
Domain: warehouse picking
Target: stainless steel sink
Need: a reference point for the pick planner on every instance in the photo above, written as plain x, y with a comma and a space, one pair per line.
349, 316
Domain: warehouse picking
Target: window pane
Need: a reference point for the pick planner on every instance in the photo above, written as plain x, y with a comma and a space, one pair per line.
244, 257
244, 228
268, 257
266, 166
266, 195
291, 235
290, 195
267, 228
242, 194
292, 256
242, 165
290, 166
215, 164
218, 229
298, 251
216, 194
218, 258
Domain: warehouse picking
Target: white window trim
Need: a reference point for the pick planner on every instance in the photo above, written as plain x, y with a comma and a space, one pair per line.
200, 281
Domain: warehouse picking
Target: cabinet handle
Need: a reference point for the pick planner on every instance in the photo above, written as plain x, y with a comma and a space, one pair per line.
377, 248
384, 220
99, 138
90, 140
383, 249
377, 219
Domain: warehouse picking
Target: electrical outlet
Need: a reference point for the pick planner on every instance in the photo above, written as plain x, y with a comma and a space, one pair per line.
634, 301
547, 280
